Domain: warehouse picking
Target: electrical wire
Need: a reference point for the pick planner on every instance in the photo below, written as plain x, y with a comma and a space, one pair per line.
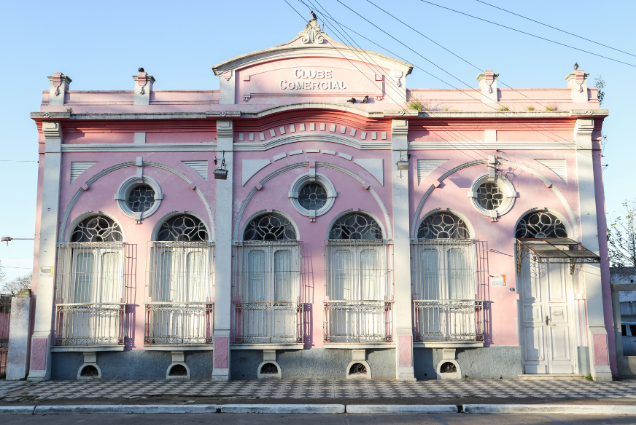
554, 28
13, 160
369, 59
445, 82
527, 33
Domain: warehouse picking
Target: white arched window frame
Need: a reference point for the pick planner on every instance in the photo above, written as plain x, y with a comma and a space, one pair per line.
90, 296
444, 282
180, 309
267, 290
359, 288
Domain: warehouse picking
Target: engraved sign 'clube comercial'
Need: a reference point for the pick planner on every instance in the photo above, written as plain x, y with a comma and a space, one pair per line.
324, 77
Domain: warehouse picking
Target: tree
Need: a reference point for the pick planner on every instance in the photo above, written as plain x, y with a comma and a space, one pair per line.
621, 234
600, 85
2, 276
17, 284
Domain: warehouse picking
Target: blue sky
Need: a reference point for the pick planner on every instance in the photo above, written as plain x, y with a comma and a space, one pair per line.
101, 44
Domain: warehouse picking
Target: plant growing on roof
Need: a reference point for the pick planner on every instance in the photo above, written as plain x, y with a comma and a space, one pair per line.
599, 83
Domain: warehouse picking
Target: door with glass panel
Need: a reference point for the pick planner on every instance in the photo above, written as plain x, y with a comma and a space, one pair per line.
546, 315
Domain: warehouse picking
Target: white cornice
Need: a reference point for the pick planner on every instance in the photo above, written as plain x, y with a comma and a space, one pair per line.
478, 144
312, 137
147, 147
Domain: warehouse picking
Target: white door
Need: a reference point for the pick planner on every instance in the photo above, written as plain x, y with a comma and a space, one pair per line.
546, 318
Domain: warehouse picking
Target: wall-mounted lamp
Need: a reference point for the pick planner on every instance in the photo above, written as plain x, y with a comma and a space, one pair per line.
221, 172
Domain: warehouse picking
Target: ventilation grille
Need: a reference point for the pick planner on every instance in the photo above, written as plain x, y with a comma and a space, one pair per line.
426, 167
559, 166
78, 168
201, 167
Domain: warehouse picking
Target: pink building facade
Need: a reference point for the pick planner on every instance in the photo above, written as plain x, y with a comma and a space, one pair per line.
315, 218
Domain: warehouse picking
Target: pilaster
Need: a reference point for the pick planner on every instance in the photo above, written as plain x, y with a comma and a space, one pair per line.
589, 237
223, 256
59, 85
18, 353
40, 368
402, 251
227, 87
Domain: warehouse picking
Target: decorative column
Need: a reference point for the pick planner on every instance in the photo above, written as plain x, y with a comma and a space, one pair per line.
223, 254
402, 250
18, 355
49, 219
599, 353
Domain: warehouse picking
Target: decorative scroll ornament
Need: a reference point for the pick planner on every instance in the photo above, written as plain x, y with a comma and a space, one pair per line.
312, 34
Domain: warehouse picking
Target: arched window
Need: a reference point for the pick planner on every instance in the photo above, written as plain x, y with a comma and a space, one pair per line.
357, 281
181, 284
266, 305
89, 289
444, 280
183, 228
269, 227
540, 224
355, 226
443, 225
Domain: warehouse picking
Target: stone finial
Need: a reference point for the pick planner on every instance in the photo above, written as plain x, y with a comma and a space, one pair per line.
59, 84
312, 34
488, 86
143, 87
577, 83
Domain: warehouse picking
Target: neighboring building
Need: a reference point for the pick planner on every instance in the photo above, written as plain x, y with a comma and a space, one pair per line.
624, 306
342, 232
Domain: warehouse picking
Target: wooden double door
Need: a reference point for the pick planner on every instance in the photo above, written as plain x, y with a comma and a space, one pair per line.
546, 319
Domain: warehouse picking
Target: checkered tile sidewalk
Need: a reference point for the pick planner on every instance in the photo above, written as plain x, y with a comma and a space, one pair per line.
565, 389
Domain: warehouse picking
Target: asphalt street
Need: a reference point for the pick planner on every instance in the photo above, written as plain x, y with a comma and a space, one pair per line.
334, 419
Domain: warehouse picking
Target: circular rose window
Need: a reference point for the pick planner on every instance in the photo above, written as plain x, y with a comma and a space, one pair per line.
141, 198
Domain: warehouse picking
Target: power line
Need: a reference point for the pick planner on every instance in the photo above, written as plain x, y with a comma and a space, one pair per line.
527, 33
554, 28
445, 82
370, 59
13, 160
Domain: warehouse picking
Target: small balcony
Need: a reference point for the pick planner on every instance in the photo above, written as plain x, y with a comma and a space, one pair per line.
178, 325
358, 323
449, 323
268, 324
90, 325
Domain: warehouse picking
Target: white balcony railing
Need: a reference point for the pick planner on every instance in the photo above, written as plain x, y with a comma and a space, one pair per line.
89, 324
358, 321
174, 323
448, 320
268, 323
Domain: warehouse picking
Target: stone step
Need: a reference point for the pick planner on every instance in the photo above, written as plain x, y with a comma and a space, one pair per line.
550, 376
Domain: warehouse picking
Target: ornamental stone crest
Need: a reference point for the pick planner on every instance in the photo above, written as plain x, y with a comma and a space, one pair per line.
312, 34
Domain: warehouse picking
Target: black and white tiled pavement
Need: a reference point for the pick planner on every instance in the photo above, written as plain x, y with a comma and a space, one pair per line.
314, 389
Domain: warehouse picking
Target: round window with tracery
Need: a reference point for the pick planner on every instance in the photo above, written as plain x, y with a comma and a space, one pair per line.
489, 196
312, 196
141, 198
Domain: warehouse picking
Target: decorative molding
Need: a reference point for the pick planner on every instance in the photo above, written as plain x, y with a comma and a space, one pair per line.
466, 145
312, 34
201, 167
252, 166
147, 147
426, 167
311, 137
302, 181
557, 166
375, 167
79, 167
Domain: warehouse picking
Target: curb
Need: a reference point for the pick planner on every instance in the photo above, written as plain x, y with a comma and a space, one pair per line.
601, 409
16, 410
379, 409
125, 409
283, 408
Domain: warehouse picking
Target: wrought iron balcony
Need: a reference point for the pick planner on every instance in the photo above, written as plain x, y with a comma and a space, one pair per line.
358, 321
448, 320
268, 323
179, 323
90, 324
